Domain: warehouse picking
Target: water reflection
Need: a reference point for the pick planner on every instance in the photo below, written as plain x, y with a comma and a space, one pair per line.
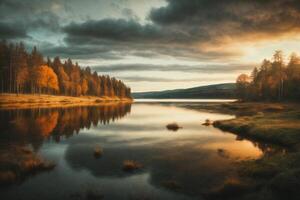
186, 164
23, 133
33, 126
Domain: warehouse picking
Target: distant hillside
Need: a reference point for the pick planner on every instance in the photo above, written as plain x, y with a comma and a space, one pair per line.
219, 91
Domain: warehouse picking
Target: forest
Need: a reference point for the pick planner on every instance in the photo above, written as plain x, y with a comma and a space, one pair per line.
274, 80
31, 73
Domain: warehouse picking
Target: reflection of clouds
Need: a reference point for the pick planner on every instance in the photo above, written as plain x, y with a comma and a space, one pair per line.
189, 157
129, 127
196, 169
235, 149
79, 155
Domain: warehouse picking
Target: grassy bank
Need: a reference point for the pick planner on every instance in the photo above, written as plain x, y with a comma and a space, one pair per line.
10, 101
273, 176
273, 123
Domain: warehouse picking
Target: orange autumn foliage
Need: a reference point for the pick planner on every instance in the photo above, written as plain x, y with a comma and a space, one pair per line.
46, 78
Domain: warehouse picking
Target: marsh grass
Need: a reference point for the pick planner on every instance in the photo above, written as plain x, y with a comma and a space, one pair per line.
271, 177
279, 127
131, 165
207, 122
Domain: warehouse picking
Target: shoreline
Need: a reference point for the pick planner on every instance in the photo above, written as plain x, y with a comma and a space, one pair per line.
23, 101
269, 122
275, 172
274, 123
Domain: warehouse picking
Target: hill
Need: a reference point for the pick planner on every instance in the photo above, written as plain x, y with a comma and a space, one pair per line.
219, 91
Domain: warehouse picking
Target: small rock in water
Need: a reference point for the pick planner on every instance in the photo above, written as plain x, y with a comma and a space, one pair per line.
98, 152
131, 165
173, 127
207, 122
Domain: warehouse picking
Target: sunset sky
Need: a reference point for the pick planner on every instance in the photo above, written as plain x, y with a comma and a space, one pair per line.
157, 44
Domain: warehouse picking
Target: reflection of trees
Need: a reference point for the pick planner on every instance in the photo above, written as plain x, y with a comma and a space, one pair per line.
33, 126
21, 128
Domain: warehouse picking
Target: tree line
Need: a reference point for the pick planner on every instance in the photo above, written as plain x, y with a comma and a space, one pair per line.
274, 80
24, 72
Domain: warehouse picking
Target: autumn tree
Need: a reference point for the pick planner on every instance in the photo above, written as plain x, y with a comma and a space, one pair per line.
21, 78
242, 84
25, 72
45, 78
273, 81
84, 86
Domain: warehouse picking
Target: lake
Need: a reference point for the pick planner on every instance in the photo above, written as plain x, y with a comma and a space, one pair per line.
183, 164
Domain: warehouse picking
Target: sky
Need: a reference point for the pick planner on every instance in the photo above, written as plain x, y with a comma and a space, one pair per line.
157, 44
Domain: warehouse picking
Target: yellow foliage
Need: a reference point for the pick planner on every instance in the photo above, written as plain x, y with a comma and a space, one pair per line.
45, 77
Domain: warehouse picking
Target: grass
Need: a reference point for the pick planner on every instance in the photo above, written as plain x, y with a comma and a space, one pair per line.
10, 101
268, 178
131, 165
207, 122
271, 177
275, 127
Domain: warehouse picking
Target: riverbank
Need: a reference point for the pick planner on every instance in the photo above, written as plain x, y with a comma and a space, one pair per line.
11, 101
275, 175
273, 123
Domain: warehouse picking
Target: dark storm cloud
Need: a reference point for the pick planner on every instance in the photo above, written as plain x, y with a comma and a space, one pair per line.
227, 17
81, 52
87, 48
11, 31
196, 21
224, 68
120, 30
31, 14
185, 29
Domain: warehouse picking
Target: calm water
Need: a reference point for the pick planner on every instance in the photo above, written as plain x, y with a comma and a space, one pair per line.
193, 160
185, 100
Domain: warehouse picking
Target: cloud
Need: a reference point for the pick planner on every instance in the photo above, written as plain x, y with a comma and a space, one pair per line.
208, 68
128, 37
12, 31
129, 13
84, 52
137, 79
195, 21
230, 18
194, 29
120, 30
